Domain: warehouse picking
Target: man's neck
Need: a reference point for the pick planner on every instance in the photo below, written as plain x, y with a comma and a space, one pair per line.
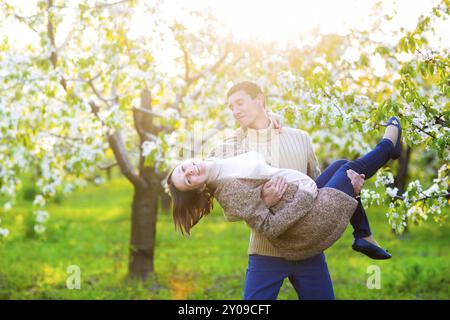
260, 123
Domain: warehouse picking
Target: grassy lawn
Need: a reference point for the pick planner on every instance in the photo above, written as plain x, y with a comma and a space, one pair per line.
91, 228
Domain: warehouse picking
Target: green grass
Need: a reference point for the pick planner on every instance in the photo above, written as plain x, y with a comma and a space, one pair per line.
91, 229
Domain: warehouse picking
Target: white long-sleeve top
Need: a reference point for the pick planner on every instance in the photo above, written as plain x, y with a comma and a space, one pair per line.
253, 165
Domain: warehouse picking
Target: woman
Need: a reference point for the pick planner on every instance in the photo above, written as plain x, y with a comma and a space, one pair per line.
308, 219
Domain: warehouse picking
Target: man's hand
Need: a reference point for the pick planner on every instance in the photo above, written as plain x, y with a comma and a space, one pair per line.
277, 121
357, 180
273, 191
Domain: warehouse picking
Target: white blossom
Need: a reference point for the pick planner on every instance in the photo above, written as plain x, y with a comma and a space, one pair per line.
41, 216
148, 147
38, 228
392, 192
384, 179
39, 200
7, 206
4, 232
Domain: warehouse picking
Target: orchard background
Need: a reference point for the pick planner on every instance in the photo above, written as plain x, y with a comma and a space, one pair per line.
99, 99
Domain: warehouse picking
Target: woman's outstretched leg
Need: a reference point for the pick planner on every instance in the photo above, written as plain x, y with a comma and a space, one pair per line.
359, 220
326, 175
360, 224
369, 164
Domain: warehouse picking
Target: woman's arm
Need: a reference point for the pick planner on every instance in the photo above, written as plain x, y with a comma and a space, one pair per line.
241, 197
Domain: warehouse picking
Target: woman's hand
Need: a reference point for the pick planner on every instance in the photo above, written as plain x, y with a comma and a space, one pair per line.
277, 121
357, 180
273, 191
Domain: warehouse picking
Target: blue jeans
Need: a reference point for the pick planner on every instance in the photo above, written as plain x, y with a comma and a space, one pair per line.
359, 221
310, 278
368, 165
335, 176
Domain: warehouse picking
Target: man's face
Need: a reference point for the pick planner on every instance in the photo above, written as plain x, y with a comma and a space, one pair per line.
245, 109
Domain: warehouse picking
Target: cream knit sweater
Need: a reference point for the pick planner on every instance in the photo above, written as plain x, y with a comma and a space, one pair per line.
291, 149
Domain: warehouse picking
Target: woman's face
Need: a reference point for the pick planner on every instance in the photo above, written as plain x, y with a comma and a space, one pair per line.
190, 175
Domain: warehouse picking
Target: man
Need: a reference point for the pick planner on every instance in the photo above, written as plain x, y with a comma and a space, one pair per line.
290, 148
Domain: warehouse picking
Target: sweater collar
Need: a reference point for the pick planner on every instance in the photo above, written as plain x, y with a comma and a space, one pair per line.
260, 135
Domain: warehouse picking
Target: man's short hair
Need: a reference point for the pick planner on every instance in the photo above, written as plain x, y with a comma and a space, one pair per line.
251, 88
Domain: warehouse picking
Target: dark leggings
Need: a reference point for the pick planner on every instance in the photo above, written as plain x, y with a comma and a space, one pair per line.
335, 176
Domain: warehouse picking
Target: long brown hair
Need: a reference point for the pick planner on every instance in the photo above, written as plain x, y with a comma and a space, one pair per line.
188, 206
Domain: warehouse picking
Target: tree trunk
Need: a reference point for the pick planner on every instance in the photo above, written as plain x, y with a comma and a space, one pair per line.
143, 233
145, 201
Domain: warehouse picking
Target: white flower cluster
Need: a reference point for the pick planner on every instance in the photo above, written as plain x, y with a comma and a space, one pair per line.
415, 185
112, 117
391, 192
154, 150
9, 188
148, 147
432, 191
7, 206
384, 178
416, 212
396, 221
367, 126
419, 205
39, 201
41, 217
370, 198
3, 232
48, 184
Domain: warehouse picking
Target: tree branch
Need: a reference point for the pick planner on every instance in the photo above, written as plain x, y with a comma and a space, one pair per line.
95, 7
90, 82
120, 153
191, 80
115, 140
51, 36
117, 145
446, 195
186, 63
108, 166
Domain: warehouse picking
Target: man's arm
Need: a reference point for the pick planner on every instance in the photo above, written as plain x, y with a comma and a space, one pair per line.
273, 191
357, 180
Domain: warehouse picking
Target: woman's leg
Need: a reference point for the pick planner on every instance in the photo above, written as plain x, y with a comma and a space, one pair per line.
359, 221
367, 165
388, 148
326, 175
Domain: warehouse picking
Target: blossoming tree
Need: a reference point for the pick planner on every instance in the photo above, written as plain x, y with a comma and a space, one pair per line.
91, 87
